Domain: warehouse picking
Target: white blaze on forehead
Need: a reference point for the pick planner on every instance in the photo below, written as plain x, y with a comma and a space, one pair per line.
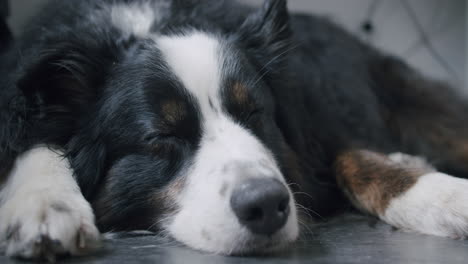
195, 59
137, 18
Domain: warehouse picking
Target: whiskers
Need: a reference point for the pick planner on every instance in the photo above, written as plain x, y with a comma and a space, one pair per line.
309, 212
160, 239
306, 233
166, 241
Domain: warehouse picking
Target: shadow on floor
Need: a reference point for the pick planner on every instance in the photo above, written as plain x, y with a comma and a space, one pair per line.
346, 239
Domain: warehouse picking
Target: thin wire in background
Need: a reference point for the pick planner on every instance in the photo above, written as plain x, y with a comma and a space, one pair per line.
428, 42
424, 39
368, 24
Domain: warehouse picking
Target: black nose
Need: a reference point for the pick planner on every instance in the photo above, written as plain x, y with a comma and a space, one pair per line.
262, 205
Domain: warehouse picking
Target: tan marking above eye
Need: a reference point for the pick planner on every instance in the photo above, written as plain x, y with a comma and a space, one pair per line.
174, 111
240, 93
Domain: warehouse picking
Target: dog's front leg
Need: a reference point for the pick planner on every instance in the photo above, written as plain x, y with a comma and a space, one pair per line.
405, 192
42, 211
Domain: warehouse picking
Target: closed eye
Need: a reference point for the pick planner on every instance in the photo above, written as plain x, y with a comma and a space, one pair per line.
154, 138
164, 144
254, 114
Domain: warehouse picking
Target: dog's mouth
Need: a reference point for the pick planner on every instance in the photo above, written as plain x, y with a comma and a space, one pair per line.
243, 242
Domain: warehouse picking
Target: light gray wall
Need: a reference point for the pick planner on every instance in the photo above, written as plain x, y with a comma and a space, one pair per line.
444, 21
396, 32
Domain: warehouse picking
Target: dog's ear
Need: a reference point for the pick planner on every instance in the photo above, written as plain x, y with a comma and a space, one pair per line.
65, 78
62, 87
266, 34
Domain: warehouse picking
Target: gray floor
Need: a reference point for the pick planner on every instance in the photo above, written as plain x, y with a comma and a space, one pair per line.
346, 239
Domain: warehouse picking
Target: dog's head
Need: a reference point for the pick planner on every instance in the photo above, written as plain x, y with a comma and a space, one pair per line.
175, 129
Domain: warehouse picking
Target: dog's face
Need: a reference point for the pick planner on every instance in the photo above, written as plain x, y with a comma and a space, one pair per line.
184, 140
233, 195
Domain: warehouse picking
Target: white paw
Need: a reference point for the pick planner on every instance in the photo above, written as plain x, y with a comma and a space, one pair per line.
437, 205
44, 225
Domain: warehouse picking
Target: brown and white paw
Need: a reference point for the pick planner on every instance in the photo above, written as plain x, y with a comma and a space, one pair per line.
42, 225
437, 204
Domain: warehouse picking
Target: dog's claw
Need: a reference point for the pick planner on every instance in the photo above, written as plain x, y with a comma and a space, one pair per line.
81, 240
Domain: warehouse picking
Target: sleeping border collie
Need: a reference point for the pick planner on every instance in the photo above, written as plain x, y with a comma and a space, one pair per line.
215, 124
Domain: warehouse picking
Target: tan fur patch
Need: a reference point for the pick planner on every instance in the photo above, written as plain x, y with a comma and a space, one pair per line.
371, 179
240, 93
174, 111
165, 198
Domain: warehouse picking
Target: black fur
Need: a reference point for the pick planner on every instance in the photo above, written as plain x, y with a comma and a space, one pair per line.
5, 33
